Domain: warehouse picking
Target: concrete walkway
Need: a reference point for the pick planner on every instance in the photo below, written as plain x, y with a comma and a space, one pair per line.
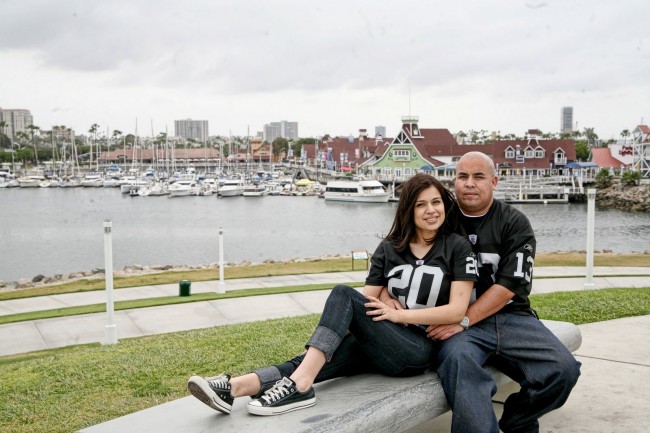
44, 334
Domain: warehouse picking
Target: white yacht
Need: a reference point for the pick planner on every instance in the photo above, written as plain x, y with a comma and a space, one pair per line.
362, 191
258, 190
70, 182
154, 190
183, 188
232, 187
112, 181
7, 179
32, 179
129, 184
50, 183
93, 179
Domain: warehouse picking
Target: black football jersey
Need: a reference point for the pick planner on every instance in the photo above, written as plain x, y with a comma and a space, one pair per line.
426, 282
504, 243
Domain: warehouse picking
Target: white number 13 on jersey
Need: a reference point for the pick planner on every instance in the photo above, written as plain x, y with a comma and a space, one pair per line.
528, 275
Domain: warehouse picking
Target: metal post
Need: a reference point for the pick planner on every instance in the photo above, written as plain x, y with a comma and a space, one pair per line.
591, 210
111, 327
222, 284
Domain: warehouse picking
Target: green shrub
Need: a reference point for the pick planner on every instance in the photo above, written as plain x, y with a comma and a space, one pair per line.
631, 178
604, 178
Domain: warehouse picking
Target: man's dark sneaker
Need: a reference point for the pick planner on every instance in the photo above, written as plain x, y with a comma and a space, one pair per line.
282, 398
213, 391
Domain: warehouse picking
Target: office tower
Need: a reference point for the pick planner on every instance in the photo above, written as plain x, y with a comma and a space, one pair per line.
284, 129
17, 121
194, 129
567, 120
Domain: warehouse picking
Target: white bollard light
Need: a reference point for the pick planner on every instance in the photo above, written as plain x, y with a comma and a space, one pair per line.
591, 211
111, 327
221, 288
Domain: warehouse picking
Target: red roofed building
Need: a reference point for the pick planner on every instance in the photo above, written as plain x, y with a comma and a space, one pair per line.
624, 155
602, 156
415, 150
334, 153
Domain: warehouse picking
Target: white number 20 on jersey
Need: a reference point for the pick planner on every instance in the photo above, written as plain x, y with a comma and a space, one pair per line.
409, 283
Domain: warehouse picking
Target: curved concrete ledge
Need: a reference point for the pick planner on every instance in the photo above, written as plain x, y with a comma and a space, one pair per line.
360, 403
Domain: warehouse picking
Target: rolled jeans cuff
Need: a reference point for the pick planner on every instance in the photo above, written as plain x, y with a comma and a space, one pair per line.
268, 377
325, 340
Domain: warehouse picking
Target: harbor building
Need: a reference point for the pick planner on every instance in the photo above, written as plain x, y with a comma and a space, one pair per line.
192, 129
436, 151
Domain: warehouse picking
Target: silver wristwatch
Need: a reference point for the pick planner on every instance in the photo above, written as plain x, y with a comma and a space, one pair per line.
465, 323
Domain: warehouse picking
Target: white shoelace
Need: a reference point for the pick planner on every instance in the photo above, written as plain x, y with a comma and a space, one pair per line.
219, 382
279, 390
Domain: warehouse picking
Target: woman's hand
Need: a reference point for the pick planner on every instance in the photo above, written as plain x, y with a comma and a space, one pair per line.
391, 302
383, 311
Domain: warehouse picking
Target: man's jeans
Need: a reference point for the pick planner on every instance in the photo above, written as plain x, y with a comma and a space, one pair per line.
524, 349
369, 347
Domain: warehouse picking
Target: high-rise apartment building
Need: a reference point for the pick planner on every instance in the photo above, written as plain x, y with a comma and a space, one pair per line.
16, 121
284, 129
567, 120
194, 129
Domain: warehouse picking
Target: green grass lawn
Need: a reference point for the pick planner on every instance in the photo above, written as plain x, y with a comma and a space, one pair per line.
67, 389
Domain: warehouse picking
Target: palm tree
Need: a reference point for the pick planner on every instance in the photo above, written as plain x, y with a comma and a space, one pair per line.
116, 134
591, 136
32, 129
22, 137
3, 125
93, 130
625, 133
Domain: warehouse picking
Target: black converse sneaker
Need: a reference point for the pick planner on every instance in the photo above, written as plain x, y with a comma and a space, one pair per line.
213, 391
282, 398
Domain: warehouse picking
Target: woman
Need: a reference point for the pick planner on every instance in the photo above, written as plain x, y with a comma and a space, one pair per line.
429, 273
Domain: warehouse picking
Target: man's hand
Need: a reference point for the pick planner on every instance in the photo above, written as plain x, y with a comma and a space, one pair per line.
443, 332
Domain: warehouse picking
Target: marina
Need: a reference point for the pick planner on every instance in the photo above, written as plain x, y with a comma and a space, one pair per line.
53, 231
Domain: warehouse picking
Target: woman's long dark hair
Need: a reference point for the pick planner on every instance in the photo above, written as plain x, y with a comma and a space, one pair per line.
403, 229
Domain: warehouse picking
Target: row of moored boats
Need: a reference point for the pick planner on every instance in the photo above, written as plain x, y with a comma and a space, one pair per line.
190, 183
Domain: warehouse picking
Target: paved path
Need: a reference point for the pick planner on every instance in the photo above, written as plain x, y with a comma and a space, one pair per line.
43, 334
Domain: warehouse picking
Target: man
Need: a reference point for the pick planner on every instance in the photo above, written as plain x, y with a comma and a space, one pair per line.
500, 327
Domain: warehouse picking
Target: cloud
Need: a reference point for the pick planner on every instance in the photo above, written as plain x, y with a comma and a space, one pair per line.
220, 59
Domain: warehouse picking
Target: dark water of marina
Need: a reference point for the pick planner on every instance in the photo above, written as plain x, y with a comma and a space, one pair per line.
56, 231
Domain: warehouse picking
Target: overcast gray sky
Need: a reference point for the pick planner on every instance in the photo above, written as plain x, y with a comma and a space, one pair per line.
334, 66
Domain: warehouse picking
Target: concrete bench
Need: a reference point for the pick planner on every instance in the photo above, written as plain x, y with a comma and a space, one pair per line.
371, 403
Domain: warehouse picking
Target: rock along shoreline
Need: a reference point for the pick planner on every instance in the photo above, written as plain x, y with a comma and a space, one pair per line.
137, 270
628, 198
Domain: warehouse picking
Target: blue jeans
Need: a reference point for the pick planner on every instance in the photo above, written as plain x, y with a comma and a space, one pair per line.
524, 349
353, 343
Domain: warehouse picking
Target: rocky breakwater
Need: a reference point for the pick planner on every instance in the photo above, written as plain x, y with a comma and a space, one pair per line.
135, 270
630, 198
